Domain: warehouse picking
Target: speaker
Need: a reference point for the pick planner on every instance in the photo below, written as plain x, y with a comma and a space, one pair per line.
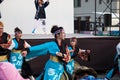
82, 25
107, 20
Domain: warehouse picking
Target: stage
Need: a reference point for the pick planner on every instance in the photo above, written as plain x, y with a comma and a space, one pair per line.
103, 50
50, 36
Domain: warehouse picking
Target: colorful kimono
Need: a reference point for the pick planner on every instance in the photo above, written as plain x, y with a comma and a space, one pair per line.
70, 66
15, 57
4, 52
53, 68
114, 69
116, 66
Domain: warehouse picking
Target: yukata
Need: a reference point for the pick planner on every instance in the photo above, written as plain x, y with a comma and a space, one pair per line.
116, 66
4, 53
70, 66
9, 72
16, 57
53, 68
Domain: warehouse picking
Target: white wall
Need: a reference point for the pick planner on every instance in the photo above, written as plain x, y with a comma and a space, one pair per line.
21, 13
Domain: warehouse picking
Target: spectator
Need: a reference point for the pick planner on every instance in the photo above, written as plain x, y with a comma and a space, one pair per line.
9, 72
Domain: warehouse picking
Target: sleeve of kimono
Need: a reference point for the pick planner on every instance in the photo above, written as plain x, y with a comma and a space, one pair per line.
27, 45
118, 49
75, 53
38, 50
9, 42
12, 45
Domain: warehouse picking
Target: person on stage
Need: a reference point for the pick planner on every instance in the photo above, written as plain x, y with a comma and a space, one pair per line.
40, 15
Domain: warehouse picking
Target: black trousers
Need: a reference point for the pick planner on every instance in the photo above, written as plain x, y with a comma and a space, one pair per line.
26, 69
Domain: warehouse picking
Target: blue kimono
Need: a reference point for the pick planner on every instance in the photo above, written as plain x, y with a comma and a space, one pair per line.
70, 64
53, 69
115, 68
15, 57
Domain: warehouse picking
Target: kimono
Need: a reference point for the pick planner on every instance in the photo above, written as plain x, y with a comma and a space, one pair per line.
16, 57
4, 52
116, 66
54, 67
70, 65
114, 69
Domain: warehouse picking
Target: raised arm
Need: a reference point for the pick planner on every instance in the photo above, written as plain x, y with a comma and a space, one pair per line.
36, 4
46, 3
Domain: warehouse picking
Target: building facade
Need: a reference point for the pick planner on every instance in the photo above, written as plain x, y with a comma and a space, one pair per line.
90, 13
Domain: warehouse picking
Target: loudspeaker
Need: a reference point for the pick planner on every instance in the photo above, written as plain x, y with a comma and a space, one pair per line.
107, 20
82, 25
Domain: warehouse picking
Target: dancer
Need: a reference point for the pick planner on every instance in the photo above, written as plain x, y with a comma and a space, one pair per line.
16, 57
74, 52
58, 51
5, 42
40, 15
116, 66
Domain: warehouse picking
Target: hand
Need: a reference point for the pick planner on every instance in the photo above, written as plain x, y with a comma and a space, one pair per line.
2, 45
59, 54
84, 54
24, 53
88, 51
84, 57
66, 58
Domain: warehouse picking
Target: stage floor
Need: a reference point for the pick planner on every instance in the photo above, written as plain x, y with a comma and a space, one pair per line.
50, 36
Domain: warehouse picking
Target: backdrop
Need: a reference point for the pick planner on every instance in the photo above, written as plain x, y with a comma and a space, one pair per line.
21, 13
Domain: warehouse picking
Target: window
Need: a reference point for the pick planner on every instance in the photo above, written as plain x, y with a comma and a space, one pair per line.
86, 0
108, 1
100, 1
77, 3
